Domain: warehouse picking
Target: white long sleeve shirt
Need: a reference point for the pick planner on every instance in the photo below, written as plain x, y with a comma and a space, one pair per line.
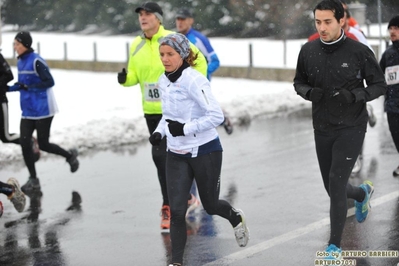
189, 100
360, 37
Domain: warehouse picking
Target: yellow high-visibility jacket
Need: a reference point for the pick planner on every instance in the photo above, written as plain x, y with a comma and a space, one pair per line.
145, 67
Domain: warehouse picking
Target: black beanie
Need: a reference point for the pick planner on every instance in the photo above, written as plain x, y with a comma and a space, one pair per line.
24, 38
394, 22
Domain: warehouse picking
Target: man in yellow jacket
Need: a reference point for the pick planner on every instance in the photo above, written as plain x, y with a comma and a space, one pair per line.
145, 67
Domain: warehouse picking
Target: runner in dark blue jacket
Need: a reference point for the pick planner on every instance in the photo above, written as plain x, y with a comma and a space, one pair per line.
184, 22
38, 107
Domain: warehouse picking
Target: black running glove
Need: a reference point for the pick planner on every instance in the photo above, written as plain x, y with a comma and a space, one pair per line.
22, 86
315, 94
122, 76
175, 128
155, 139
344, 96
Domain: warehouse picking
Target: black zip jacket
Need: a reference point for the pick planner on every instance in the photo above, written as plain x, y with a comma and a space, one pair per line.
5, 77
391, 58
343, 64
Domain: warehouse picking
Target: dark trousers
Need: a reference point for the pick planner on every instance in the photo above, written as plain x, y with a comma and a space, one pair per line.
180, 173
158, 155
337, 152
393, 122
5, 136
42, 127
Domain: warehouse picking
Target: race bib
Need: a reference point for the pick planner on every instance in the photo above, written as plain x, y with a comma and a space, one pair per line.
392, 75
152, 92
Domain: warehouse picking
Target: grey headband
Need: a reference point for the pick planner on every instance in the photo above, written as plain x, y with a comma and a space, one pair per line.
159, 17
179, 43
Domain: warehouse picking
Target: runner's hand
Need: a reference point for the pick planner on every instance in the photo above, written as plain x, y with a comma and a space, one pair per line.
155, 139
22, 86
175, 128
344, 96
315, 95
122, 76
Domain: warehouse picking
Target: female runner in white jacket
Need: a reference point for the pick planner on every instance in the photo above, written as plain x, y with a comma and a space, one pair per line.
190, 117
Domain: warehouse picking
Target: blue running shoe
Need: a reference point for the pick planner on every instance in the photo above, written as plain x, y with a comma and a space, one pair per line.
362, 208
334, 253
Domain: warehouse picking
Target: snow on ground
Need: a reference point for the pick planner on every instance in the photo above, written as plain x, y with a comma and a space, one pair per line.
96, 112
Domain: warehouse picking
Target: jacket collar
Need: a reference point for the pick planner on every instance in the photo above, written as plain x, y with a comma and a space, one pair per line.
173, 76
160, 33
330, 47
30, 50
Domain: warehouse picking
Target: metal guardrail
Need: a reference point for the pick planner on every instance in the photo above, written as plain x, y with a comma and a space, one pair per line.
275, 74
247, 72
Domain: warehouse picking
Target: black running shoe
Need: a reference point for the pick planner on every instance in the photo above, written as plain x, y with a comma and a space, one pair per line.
73, 161
31, 186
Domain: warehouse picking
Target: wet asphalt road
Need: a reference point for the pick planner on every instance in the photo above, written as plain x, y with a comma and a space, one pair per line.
270, 171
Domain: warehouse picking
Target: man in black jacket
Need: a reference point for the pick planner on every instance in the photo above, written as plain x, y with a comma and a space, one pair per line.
5, 77
330, 73
390, 65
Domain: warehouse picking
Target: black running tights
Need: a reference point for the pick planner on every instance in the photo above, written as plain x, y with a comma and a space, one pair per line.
337, 152
42, 127
158, 155
180, 173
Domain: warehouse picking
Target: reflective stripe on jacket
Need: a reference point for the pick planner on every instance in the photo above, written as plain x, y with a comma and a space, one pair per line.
36, 103
145, 67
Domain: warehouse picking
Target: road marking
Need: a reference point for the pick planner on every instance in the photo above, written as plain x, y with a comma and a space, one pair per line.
252, 250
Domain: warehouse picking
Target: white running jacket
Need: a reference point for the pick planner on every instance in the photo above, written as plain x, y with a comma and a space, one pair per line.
189, 100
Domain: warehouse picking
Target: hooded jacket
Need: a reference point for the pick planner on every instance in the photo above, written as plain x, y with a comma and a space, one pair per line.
343, 64
389, 61
145, 67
